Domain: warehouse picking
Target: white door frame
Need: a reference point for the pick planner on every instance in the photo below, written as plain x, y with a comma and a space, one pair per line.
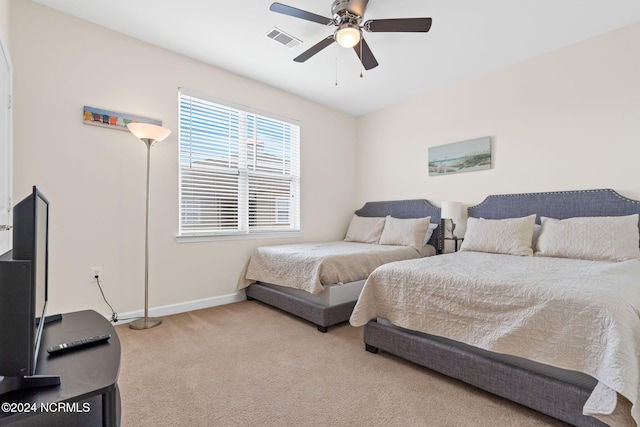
6, 146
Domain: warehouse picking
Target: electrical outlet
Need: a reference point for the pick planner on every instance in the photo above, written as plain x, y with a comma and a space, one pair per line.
96, 271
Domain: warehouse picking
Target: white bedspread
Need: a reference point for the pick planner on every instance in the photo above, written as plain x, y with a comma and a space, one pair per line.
311, 266
573, 314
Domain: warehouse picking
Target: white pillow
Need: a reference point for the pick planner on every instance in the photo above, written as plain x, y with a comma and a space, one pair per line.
365, 229
511, 236
606, 238
405, 232
429, 233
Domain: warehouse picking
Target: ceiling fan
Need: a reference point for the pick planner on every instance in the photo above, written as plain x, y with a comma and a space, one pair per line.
347, 17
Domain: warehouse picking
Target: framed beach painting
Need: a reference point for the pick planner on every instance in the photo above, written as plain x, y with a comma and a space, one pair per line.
463, 156
110, 119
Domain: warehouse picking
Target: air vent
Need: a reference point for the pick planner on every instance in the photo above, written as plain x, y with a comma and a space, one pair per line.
283, 38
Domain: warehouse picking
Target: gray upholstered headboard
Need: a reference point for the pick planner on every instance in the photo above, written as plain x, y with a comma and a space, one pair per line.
556, 204
417, 208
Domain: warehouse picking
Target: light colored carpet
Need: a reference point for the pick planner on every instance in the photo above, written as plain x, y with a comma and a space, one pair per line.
248, 364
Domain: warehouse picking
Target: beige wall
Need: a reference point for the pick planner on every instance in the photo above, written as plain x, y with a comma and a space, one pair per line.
95, 177
565, 120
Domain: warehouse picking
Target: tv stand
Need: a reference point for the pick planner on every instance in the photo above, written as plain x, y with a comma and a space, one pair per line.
52, 318
8, 384
87, 393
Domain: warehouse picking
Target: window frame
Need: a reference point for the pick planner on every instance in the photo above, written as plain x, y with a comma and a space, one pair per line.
246, 176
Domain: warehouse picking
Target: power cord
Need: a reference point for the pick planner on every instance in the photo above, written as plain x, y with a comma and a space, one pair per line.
114, 315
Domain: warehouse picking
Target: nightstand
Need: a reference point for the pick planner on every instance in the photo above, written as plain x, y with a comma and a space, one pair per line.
456, 240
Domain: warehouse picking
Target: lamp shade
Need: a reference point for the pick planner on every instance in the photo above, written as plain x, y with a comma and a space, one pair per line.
348, 35
148, 131
451, 210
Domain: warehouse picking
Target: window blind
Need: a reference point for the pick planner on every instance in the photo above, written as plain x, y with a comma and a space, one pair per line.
239, 169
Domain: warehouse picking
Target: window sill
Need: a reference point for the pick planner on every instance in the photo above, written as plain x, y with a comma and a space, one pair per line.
254, 236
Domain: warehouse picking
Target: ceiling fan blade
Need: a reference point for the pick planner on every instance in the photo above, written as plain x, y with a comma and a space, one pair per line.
299, 13
402, 25
314, 49
357, 7
367, 58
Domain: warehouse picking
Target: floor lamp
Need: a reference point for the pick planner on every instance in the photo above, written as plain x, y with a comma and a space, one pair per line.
149, 134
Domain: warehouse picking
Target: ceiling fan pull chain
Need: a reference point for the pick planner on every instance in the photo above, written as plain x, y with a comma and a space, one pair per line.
336, 71
361, 43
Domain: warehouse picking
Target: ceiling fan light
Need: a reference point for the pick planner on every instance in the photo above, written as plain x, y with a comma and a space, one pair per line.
348, 36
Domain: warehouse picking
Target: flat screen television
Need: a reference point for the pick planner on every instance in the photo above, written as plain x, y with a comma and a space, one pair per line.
24, 294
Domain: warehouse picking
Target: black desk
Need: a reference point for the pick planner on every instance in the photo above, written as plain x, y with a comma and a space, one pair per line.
88, 392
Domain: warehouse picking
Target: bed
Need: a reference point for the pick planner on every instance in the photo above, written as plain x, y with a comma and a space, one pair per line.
557, 333
320, 282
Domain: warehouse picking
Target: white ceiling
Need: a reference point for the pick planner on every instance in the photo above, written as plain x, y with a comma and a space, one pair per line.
467, 38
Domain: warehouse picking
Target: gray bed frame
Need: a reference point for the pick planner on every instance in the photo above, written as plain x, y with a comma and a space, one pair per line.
325, 316
540, 387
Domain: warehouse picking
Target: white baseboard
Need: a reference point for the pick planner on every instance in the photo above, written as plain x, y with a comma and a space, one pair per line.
182, 307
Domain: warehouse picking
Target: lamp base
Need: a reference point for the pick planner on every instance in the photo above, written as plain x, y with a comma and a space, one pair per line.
148, 323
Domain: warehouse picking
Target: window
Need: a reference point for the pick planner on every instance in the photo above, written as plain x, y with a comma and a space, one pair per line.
239, 170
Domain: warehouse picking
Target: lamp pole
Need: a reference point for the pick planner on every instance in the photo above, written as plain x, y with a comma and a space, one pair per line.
158, 133
146, 322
